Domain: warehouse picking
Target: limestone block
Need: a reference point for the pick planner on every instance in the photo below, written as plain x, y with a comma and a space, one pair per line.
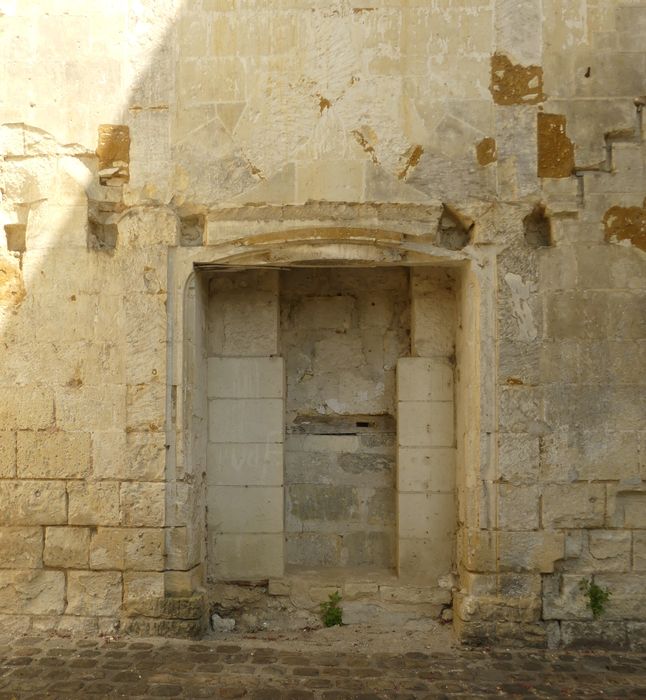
312, 549
142, 585
521, 410
246, 420
32, 592
145, 407
33, 503
142, 227
639, 551
53, 455
530, 551
145, 456
145, 329
184, 583
573, 505
426, 469
233, 304
579, 314
245, 509
412, 595
93, 593
67, 547
610, 549
518, 507
425, 424
26, 408
324, 312
21, 547
250, 464
628, 599
7, 454
433, 313
246, 557
121, 548
420, 379
93, 503
246, 378
560, 361
330, 180
626, 505
143, 504
427, 515
518, 457
477, 550
563, 599
425, 559
90, 407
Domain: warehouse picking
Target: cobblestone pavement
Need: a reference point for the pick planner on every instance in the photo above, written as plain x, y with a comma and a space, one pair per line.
32, 667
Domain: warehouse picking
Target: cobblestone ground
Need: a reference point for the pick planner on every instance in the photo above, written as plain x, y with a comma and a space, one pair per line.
61, 668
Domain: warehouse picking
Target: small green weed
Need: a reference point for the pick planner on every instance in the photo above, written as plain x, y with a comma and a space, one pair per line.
597, 596
331, 611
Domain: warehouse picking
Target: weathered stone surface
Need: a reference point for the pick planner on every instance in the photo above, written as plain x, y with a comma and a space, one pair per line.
142, 504
514, 84
21, 547
56, 455
7, 454
67, 547
120, 548
93, 593
32, 592
93, 503
33, 503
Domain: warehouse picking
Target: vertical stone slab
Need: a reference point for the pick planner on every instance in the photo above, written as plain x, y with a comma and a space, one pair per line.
244, 474
425, 468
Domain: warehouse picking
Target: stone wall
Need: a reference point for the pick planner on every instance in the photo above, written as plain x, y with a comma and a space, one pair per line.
342, 332
503, 139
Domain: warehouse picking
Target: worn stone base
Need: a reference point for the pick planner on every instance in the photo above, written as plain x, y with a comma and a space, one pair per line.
166, 617
293, 601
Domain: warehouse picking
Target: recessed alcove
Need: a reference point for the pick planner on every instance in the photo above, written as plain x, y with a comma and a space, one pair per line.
331, 439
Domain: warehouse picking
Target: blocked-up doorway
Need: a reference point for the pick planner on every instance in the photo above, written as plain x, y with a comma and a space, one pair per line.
331, 440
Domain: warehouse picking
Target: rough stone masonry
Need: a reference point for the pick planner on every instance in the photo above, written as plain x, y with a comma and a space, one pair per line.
304, 296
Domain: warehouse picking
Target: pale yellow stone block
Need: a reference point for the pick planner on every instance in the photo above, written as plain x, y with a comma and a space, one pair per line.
330, 180
518, 507
145, 407
426, 469
7, 454
129, 456
183, 583
53, 455
530, 551
87, 407
246, 557
421, 379
127, 548
67, 547
425, 424
21, 547
427, 515
425, 559
235, 509
246, 420
246, 377
573, 505
143, 504
142, 585
32, 592
26, 408
33, 503
93, 593
245, 464
93, 503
